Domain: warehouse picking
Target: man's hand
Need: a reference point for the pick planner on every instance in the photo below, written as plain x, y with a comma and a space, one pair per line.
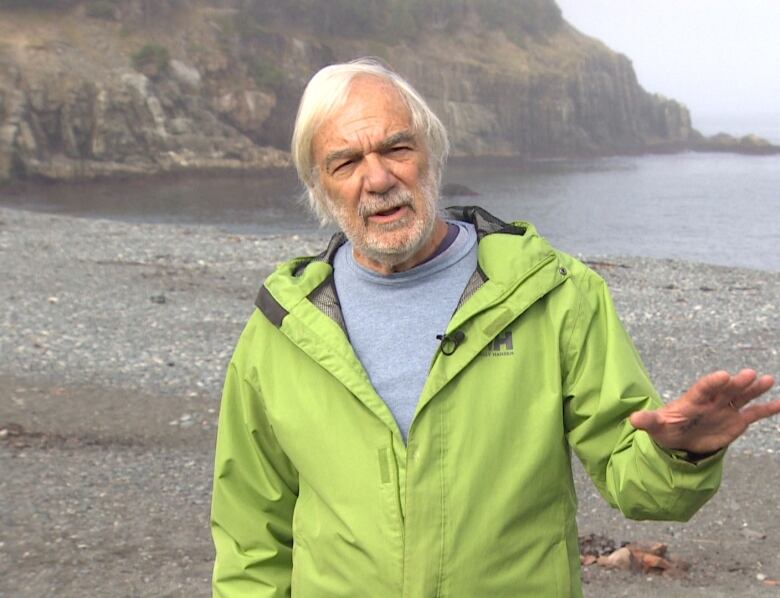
711, 414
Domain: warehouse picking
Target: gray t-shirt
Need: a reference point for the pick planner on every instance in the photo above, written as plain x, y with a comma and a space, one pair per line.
393, 320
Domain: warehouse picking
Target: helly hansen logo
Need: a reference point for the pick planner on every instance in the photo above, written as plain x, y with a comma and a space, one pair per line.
500, 346
503, 342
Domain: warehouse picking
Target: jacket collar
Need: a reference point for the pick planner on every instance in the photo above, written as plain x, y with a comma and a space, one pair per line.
483, 221
312, 277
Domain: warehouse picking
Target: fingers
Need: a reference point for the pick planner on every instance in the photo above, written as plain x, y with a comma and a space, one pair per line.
755, 389
733, 390
743, 388
736, 390
760, 411
741, 380
706, 388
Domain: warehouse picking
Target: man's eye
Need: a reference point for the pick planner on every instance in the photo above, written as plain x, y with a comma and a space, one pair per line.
400, 148
343, 165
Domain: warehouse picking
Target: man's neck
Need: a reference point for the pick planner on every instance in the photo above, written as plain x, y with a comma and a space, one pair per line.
420, 256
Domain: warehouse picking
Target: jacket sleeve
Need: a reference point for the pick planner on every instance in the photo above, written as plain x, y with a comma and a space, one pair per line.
254, 494
604, 382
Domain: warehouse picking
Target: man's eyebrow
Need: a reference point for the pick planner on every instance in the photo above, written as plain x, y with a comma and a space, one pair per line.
384, 145
395, 139
339, 155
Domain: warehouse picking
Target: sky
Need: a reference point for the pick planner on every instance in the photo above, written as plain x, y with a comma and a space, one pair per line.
721, 58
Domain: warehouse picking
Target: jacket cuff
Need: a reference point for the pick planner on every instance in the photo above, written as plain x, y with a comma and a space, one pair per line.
687, 459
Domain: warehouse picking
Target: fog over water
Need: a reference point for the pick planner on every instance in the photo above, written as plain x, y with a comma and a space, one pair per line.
719, 57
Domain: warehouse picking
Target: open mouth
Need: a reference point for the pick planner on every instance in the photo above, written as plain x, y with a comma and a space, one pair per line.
388, 217
389, 212
386, 211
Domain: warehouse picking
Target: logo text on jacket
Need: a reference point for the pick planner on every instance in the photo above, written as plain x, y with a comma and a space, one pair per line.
501, 346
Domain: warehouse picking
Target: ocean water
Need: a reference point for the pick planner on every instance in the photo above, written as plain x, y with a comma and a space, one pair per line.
714, 208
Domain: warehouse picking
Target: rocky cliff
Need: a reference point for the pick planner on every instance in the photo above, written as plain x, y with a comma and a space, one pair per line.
109, 87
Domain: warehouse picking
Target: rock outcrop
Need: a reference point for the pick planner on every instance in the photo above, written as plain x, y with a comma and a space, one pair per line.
99, 88
724, 143
74, 124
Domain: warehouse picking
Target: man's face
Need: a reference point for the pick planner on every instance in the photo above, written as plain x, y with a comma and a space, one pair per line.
374, 176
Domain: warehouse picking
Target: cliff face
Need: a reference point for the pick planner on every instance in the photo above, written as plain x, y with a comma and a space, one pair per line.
98, 88
71, 107
543, 102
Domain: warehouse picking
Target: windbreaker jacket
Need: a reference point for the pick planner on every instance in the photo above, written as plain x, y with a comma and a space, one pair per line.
316, 493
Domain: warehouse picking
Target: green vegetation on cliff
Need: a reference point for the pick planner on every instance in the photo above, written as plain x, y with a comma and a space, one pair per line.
101, 9
399, 20
36, 4
151, 57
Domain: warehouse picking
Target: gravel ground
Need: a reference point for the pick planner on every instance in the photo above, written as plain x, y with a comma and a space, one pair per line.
113, 343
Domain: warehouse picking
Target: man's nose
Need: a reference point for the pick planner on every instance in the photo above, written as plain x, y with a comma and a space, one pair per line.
377, 178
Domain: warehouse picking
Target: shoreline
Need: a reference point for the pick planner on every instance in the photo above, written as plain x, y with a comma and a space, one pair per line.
709, 145
113, 345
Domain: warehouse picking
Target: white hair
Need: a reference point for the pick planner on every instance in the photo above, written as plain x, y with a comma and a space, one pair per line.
327, 91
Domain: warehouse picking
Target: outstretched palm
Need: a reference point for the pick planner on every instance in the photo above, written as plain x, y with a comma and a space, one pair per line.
711, 414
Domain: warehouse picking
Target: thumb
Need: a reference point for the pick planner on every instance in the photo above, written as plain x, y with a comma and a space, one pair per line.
645, 420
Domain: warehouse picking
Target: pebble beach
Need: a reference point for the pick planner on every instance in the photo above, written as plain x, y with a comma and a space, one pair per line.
114, 338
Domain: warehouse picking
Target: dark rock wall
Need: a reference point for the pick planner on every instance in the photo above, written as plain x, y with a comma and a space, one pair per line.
72, 107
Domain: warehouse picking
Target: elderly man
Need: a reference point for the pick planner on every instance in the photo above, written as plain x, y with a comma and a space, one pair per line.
398, 415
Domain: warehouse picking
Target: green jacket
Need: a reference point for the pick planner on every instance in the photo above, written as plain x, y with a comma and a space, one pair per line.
315, 492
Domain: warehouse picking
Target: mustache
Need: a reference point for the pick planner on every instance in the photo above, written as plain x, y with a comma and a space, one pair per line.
375, 203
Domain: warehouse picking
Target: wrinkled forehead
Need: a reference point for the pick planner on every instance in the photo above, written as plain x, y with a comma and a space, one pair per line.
365, 90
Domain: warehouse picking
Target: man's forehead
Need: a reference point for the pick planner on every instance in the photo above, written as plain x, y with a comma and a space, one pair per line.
367, 96
370, 104
373, 85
